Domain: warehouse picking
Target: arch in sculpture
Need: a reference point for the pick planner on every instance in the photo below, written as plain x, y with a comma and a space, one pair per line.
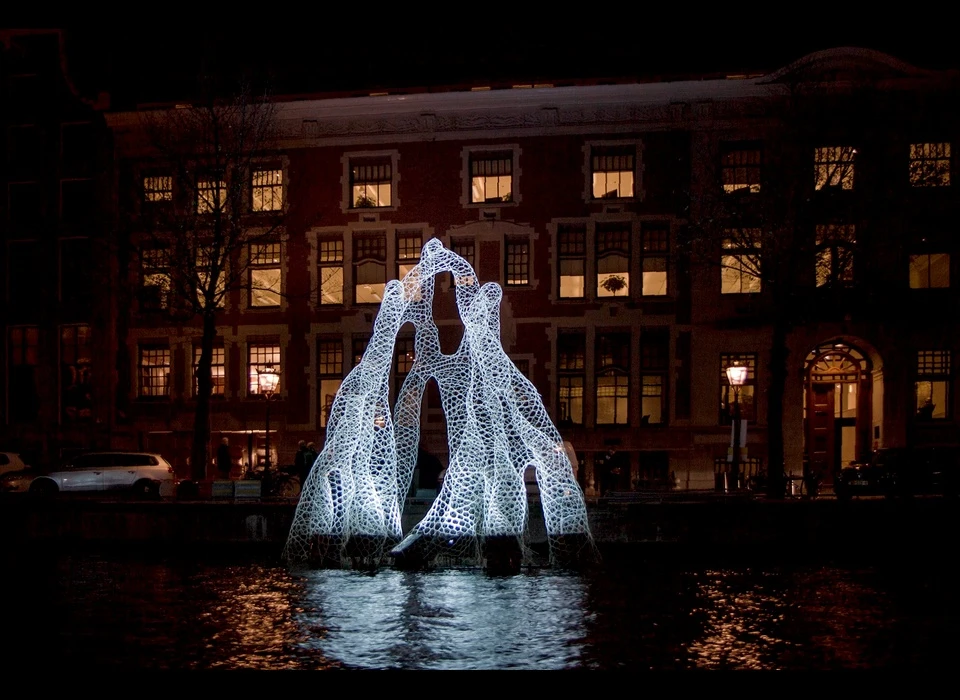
351, 504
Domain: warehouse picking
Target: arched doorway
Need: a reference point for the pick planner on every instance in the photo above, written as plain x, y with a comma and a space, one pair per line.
838, 409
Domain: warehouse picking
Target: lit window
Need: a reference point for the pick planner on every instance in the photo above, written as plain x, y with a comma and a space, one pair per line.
369, 268
330, 258
158, 188
371, 184
359, 347
466, 249
833, 167
76, 365
929, 164
571, 359
572, 245
408, 252
23, 390
612, 169
655, 246
613, 378
491, 177
933, 384
748, 410
211, 196
265, 274
517, 262
259, 356
205, 265
330, 372
654, 351
930, 270
740, 170
154, 371
835, 254
613, 260
267, 192
740, 262
154, 279
217, 370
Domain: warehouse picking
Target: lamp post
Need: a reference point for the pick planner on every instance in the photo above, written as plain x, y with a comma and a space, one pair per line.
267, 378
736, 375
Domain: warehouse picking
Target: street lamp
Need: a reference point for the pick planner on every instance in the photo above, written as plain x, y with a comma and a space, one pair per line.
737, 376
267, 379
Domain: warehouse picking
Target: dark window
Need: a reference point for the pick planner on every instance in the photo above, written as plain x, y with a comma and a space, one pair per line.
77, 202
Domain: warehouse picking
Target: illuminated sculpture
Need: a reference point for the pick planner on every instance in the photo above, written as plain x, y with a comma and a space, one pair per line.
350, 505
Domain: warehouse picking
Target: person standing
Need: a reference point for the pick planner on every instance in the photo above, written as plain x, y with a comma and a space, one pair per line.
300, 461
224, 462
310, 456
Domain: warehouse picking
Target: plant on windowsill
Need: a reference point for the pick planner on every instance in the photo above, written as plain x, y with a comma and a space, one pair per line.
364, 202
614, 284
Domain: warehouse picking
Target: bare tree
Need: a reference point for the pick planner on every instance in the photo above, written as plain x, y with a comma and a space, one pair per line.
209, 209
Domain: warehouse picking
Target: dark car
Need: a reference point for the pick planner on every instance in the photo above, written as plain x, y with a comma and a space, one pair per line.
902, 472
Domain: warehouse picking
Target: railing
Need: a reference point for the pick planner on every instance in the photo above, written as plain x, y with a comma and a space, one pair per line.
752, 475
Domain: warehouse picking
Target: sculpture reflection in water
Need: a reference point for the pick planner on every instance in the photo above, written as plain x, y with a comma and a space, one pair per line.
350, 507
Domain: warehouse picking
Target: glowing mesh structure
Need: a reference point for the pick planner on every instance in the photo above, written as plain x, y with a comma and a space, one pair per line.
350, 506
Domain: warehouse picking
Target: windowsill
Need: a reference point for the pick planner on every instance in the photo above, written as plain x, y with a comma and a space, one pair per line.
612, 200
489, 205
361, 210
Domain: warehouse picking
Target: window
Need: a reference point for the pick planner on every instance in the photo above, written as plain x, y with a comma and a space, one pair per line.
833, 167
571, 368
77, 202
930, 270
158, 188
613, 378
77, 275
154, 279
259, 355
25, 150
211, 196
612, 170
154, 371
408, 251
835, 252
517, 258
267, 190
572, 246
466, 249
740, 169
369, 268
613, 260
929, 164
330, 258
655, 240
265, 275
404, 356
933, 384
491, 176
23, 393
359, 347
204, 266
747, 392
371, 183
654, 351
78, 148
25, 205
740, 262
217, 370
27, 262
330, 373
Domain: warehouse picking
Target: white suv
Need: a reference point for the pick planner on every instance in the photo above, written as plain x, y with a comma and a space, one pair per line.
144, 474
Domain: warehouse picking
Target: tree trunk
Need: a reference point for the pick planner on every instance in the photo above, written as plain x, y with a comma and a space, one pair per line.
200, 452
778, 384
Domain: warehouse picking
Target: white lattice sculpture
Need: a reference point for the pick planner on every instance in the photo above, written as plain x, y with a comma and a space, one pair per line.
350, 506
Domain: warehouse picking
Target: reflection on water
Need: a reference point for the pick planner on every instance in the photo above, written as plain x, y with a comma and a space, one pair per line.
118, 611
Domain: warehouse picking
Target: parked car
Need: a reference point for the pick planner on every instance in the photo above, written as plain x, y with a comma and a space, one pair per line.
12, 462
902, 471
143, 474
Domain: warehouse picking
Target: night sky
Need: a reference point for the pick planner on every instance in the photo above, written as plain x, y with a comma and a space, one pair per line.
159, 63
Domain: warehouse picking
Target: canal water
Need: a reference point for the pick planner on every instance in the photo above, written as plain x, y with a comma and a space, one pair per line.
117, 611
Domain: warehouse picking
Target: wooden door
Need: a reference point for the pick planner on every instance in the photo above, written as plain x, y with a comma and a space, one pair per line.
822, 433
